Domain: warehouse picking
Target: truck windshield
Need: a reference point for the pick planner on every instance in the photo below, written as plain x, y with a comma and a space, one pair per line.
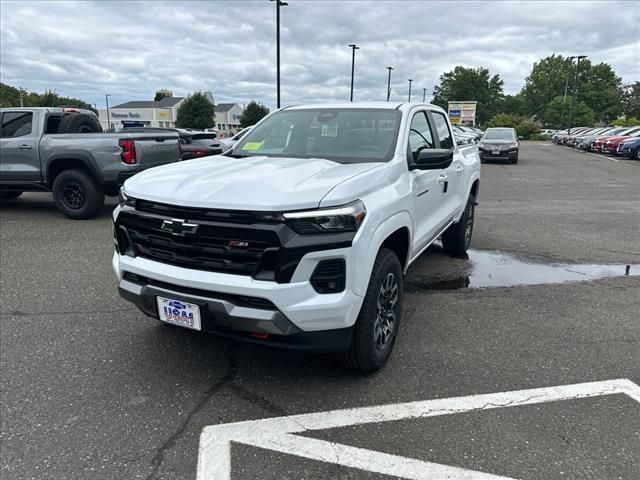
350, 135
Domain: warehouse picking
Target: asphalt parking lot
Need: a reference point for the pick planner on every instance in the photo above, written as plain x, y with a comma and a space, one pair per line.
92, 389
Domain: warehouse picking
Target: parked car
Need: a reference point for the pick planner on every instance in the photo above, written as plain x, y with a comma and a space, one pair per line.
499, 144
230, 142
79, 169
598, 145
462, 138
477, 135
299, 236
193, 144
630, 148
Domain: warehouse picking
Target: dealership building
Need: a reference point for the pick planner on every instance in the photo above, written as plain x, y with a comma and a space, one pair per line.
162, 113
228, 117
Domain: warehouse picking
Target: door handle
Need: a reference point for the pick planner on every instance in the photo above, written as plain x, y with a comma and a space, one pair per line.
442, 178
459, 170
25, 147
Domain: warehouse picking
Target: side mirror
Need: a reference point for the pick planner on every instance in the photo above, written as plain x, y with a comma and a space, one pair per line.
433, 159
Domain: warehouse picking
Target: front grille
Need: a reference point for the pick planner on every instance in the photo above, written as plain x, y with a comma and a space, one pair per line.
193, 213
218, 247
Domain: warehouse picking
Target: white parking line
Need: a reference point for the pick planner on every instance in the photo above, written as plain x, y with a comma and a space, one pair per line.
278, 434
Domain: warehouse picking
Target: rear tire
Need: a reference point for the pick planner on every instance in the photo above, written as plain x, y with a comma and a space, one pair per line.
9, 195
457, 238
76, 194
79, 123
376, 328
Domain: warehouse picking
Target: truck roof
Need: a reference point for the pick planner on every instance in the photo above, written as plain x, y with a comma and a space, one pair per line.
378, 105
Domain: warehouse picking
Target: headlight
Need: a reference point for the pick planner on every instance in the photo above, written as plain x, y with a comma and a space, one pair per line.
123, 200
347, 218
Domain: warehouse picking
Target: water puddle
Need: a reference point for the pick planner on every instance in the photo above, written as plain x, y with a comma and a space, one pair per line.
486, 269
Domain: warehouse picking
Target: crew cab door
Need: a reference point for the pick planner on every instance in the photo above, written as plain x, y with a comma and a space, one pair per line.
19, 160
427, 186
453, 176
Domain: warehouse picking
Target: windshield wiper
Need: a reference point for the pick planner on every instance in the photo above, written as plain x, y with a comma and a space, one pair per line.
235, 155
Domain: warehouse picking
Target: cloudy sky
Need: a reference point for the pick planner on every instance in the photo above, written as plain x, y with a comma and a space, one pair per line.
130, 49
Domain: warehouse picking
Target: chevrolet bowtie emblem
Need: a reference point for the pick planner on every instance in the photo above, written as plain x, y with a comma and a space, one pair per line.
175, 226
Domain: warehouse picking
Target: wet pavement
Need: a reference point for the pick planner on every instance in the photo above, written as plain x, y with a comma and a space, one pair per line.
485, 269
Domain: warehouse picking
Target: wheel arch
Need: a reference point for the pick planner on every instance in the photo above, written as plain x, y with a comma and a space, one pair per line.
56, 165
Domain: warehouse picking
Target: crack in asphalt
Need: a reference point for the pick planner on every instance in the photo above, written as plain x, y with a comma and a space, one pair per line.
232, 371
256, 399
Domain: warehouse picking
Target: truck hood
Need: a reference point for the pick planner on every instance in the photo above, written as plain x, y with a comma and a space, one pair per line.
256, 183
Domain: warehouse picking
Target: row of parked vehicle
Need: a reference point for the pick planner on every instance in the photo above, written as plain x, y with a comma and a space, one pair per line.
622, 141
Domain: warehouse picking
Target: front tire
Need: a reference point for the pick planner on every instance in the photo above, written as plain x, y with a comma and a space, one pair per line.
76, 194
376, 328
457, 238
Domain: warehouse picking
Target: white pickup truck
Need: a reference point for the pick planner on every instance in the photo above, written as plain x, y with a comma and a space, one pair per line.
299, 237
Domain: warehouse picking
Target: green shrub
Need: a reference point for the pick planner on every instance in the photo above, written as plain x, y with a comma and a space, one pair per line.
539, 136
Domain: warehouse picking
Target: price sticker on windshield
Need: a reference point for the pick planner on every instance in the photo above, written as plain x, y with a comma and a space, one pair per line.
251, 146
329, 130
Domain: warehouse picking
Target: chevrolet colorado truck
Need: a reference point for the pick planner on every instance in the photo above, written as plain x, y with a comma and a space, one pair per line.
37, 155
300, 235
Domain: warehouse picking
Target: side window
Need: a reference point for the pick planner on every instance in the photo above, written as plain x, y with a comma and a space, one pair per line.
419, 135
446, 140
16, 124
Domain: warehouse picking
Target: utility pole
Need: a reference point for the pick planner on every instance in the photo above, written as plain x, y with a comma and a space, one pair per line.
575, 91
279, 3
566, 88
410, 80
389, 83
106, 98
353, 65
21, 102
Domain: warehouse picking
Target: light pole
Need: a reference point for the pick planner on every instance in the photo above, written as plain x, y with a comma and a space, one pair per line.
566, 88
353, 65
410, 80
575, 91
389, 83
106, 98
424, 95
279, 3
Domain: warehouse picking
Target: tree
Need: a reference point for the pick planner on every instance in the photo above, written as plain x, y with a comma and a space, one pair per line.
10, 97
598, 86
470, 84
626, 122
553, 117
512, 104
253, 114
524, 127
196, 112
631, 100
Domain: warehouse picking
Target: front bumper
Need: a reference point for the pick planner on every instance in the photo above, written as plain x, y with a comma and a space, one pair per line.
503, 155
293, 314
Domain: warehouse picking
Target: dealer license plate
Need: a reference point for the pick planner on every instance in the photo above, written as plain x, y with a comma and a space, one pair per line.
496, 152
179, 313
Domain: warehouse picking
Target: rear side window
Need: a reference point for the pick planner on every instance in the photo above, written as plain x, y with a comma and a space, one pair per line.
446, 140
16, 124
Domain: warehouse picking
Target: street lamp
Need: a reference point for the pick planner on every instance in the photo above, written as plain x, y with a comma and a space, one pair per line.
106, 98
389, 83
424, 95
566, 88
279, 3
575, 90
353, 65
410, 80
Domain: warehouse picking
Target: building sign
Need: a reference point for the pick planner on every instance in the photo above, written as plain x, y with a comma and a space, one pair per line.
125, 115
462, 112
162, 115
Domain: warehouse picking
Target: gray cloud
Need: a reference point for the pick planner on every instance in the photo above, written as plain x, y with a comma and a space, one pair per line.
130, 49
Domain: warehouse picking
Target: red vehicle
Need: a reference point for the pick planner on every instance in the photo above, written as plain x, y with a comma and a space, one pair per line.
599, 142
611, 145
